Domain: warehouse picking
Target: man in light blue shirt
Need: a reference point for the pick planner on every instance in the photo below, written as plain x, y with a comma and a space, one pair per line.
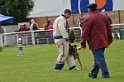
32, 23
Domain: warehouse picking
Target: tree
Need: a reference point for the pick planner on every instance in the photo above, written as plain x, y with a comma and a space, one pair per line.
71, 36
19, 9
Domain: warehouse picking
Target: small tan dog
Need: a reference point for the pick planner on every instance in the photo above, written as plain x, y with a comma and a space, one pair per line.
74, 51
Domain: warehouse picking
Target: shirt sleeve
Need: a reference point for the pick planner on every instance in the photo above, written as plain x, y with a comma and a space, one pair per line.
85, 32
109, 31
62, 28
31, 27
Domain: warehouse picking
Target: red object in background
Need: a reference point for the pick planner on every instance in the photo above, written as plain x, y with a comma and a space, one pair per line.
1, 30
24, 27
50, 27
35, 27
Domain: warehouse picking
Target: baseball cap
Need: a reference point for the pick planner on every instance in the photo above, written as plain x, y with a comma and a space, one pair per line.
92, 5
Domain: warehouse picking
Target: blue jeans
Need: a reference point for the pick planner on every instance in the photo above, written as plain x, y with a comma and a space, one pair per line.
99, 63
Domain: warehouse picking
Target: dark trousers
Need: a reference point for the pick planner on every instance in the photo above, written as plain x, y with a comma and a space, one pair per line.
99, 63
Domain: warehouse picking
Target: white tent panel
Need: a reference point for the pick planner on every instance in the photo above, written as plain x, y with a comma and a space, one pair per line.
56, 7
49, 7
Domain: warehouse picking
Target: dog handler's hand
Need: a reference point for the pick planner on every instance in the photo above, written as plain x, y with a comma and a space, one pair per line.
67, 39
83, 45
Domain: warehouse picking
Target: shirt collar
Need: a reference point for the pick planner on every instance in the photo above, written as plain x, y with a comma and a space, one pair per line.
92, 12
63, 15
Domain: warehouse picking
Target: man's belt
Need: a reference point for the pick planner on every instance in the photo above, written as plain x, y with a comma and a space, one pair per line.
57, 37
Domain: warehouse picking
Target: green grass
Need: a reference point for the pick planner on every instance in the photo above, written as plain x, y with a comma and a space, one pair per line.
37, 65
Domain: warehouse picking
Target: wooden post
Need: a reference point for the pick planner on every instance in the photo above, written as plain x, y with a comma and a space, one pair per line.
81, 14
73, 19
46, 19
119, 18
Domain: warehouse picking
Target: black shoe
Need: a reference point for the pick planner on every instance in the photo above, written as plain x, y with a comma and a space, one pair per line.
106, 77
91, 76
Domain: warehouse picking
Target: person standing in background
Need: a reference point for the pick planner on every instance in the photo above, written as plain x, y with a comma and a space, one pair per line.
110, 21
50, 28
34, 26
97, 33
46, 29
80, 23
24, 36
1, 30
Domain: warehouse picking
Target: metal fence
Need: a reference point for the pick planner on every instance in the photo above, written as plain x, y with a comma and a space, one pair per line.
37, 37
40, 37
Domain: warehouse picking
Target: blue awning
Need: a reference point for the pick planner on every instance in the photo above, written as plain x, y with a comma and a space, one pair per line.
6, 19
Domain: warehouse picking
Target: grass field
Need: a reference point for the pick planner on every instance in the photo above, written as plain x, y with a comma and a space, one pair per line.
37, 65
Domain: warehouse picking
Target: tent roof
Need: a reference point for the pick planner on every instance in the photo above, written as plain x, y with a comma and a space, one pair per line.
6, 19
